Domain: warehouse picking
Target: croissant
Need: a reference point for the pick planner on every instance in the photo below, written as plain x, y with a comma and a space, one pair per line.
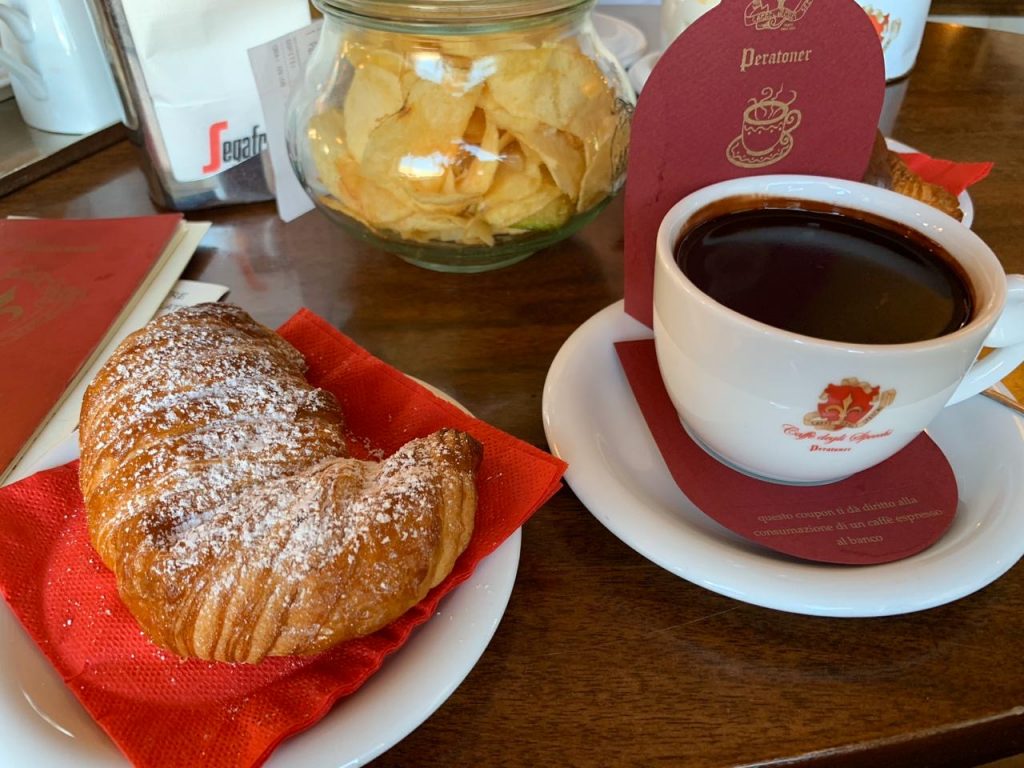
908, 183
219, 491
888, 170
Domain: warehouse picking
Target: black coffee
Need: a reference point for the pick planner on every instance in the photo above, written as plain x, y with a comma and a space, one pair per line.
827, 274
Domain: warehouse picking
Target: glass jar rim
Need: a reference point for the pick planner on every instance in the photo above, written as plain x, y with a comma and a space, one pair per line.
430, 12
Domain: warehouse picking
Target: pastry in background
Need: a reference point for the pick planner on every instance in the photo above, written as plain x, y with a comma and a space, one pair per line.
887, 169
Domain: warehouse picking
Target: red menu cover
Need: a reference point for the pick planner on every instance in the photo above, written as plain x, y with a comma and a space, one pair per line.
752, 87
64, 284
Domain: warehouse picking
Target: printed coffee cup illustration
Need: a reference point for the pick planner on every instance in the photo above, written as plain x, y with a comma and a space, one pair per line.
766, 135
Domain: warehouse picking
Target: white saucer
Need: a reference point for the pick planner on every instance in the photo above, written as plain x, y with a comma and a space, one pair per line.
626, 41
592, 421
41, 722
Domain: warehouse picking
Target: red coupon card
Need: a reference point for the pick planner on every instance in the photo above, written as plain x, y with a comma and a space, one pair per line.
752, 87
891, 511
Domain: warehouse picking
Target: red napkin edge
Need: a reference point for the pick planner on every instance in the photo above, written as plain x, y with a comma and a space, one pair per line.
337, 337
953, 176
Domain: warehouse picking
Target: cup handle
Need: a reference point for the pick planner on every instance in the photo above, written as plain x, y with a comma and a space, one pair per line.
792, 120
1007, 337
21, 26
19, 23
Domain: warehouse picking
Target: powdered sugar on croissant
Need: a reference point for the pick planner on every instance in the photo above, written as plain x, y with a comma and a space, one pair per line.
219, 491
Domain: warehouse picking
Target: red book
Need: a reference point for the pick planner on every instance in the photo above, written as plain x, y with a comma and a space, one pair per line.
64, 286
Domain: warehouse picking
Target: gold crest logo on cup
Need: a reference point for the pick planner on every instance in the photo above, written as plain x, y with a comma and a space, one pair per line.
850, 403
885, 25
766, 134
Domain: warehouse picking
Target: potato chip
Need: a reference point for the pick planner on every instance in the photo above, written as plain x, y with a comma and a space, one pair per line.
551, 216
518, 175
425, 227
377, 205
484, 153
518, 193
375, 93
506, 216
326, 133
602, 159
415, 147
555, 84
561, 154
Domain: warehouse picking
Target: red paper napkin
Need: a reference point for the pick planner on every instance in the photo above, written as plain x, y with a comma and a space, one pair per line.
955, 177
165, 711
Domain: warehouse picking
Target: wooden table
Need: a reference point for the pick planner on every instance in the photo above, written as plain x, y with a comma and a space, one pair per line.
604, 659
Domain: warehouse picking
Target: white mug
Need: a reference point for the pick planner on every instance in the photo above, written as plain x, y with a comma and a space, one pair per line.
750, 392
677, 15
59, 73
900, 28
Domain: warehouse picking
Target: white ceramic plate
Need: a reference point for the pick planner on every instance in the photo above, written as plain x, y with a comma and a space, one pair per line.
593, 422
41, 722
626, 41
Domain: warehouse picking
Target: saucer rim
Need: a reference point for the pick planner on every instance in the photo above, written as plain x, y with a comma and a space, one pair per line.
983, 543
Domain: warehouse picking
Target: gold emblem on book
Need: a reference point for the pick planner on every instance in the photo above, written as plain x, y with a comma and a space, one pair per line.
28, 299
766, 135
7, 305
763, 14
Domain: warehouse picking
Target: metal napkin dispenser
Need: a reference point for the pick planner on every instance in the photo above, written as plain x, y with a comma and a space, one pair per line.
191, 103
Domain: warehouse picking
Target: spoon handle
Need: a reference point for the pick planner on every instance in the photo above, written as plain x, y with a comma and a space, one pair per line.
999, 397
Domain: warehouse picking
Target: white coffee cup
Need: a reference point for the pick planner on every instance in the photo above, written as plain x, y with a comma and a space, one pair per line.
900, 27
749, 392
59, 73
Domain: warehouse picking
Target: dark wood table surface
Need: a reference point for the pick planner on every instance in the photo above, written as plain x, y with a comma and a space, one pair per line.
602, 658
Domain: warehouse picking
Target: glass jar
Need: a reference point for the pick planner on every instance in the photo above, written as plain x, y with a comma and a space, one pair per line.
461, 135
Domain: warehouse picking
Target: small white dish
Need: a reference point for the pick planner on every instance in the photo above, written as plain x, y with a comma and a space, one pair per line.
626, 41
592, 421
42, 723
641, 70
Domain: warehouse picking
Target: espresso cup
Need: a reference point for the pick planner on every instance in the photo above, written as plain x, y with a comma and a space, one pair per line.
793, 407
